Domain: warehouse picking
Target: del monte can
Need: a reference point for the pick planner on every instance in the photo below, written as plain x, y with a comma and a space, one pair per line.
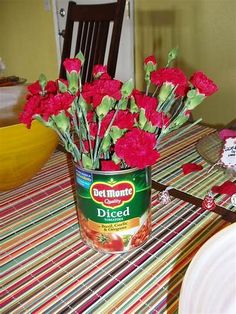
114, 208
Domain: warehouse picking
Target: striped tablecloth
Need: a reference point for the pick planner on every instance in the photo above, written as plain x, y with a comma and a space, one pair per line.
169, 172
47, 269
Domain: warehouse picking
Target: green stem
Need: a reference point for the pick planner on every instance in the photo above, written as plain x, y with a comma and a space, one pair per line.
88, 134
65, 137
155, 91
96, 156
147, 86
80, 84
176, 112
78, 128
166, 101
181, 132
107, 131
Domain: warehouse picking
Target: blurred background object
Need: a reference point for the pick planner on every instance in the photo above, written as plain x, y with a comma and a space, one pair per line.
2, 66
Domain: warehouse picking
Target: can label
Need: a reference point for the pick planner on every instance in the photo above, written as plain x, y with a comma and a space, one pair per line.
114, 208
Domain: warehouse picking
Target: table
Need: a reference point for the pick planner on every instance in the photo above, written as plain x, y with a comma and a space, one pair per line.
47, 269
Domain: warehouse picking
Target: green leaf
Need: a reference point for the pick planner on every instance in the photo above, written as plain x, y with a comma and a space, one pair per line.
127, 88
104, 107
80, 56
87, 162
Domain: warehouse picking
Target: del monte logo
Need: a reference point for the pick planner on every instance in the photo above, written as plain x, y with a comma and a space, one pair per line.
114, 195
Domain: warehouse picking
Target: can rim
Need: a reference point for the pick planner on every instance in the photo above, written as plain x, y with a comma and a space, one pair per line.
108, 173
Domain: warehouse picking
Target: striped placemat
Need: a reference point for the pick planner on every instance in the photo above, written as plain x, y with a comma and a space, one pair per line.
169, 172
47, 269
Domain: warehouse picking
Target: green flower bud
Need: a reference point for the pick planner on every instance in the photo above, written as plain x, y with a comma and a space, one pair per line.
42, 81
116, 133
142, 118
62, 122
73, 80
193, 99
104, 107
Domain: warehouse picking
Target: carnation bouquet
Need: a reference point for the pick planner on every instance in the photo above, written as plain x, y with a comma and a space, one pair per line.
107, 124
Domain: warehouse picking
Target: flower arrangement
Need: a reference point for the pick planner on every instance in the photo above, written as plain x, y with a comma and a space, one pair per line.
108, 125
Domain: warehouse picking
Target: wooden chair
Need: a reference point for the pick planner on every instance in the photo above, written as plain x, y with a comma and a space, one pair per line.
97, 36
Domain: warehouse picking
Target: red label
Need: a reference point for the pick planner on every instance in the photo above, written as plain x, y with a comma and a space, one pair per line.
112, 196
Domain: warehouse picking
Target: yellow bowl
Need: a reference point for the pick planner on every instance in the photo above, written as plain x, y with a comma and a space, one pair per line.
23, 152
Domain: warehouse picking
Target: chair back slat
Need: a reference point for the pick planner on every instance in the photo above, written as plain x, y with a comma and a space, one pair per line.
97, 35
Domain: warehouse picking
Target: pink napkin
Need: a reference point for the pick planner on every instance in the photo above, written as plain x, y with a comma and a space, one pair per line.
191, 167
227, 187
225, 133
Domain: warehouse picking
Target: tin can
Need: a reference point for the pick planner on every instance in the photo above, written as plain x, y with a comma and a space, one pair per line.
114, 208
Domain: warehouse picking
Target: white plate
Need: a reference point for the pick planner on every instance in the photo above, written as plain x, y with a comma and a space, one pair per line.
209, 285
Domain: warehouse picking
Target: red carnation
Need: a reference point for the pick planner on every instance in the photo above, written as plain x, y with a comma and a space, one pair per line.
61, 102
51, 87
144, 101
109, 165
36, 89
98, 70
31, 108
124, 120
137, 148
94, 92
173, 76
73, 64
151, 59
158, 119
203, 84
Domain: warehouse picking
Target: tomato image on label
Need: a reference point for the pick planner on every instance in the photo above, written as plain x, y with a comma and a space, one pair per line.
110, 242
